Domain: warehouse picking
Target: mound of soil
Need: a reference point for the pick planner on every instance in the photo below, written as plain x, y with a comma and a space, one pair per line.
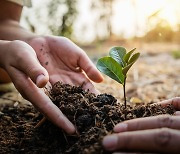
93, 116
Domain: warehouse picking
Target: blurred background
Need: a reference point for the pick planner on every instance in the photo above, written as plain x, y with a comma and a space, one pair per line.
151, 26
87, 21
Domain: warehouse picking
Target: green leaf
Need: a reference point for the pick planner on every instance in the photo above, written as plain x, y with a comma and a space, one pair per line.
111, 68
130, 63
134, 58
127, 56
126, 69
117, 53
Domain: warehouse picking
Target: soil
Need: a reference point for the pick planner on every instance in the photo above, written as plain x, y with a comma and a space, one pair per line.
93, 116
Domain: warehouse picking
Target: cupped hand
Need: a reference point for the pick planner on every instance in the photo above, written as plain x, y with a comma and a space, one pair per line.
151, 134
65, 62
21, 63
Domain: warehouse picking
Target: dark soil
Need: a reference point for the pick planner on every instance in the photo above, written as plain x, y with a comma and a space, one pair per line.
94, 117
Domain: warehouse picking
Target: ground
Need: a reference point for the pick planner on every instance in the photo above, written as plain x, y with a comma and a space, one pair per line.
155, 77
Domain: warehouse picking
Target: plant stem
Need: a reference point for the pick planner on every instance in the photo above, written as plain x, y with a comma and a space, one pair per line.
124, 90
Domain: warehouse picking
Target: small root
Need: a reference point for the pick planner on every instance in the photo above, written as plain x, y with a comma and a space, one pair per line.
65, 138
40, 122
112, 122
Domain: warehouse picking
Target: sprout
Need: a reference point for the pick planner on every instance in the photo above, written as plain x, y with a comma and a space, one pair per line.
117, 65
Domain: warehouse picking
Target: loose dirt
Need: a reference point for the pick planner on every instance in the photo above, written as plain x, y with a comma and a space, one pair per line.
93, 116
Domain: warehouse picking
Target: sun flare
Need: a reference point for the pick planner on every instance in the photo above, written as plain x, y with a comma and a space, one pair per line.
130, 16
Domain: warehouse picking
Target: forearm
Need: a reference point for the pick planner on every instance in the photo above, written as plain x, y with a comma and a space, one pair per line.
10, 29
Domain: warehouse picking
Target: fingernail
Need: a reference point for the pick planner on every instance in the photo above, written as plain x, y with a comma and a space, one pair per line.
121, 127
40, 80
177, 113
110, 142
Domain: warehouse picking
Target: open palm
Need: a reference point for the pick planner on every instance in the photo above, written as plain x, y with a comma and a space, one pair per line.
65, 61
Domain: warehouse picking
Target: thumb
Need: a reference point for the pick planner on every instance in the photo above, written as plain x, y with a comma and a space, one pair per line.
32, 68
36, 72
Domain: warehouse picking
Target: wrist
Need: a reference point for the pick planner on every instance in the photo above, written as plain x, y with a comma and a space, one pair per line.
12, 30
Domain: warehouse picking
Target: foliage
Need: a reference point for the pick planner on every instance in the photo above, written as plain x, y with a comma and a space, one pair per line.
117, 65
104, 10
57, 17
161, 32
61, 23
176, 54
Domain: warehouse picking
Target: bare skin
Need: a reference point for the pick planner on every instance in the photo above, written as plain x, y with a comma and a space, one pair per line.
37, 60
151, 134
4, 77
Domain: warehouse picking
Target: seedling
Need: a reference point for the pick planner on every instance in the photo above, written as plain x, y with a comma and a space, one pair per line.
117, 65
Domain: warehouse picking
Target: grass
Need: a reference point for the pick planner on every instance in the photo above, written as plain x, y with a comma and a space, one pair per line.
176, 54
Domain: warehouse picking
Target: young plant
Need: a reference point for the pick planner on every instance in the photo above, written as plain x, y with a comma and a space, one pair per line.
117, 65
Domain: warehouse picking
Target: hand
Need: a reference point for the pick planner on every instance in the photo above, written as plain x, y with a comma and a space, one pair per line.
21, 63
59, 59
65, 62
151, 134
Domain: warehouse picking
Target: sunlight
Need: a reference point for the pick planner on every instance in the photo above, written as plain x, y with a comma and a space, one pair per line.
130, 17
168, 13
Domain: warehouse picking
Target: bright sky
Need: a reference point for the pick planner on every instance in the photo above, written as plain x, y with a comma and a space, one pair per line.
128, 20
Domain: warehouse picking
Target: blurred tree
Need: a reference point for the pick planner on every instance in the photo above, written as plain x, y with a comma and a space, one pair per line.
159, 29
30, 24
162, 32
153, 19
56, 16
61, 16
177, 35
135, 6
104, 9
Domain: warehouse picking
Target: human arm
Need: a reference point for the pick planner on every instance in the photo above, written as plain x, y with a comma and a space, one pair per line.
27, 75
62, 59
151, 134
10, 29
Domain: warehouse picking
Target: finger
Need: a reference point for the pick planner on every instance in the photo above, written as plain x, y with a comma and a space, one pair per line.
177, 113
32, 68
60, 77
88, 85
76, 79
149, 123
174, 101
40, 100
89, 68
157, 140
81, 79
